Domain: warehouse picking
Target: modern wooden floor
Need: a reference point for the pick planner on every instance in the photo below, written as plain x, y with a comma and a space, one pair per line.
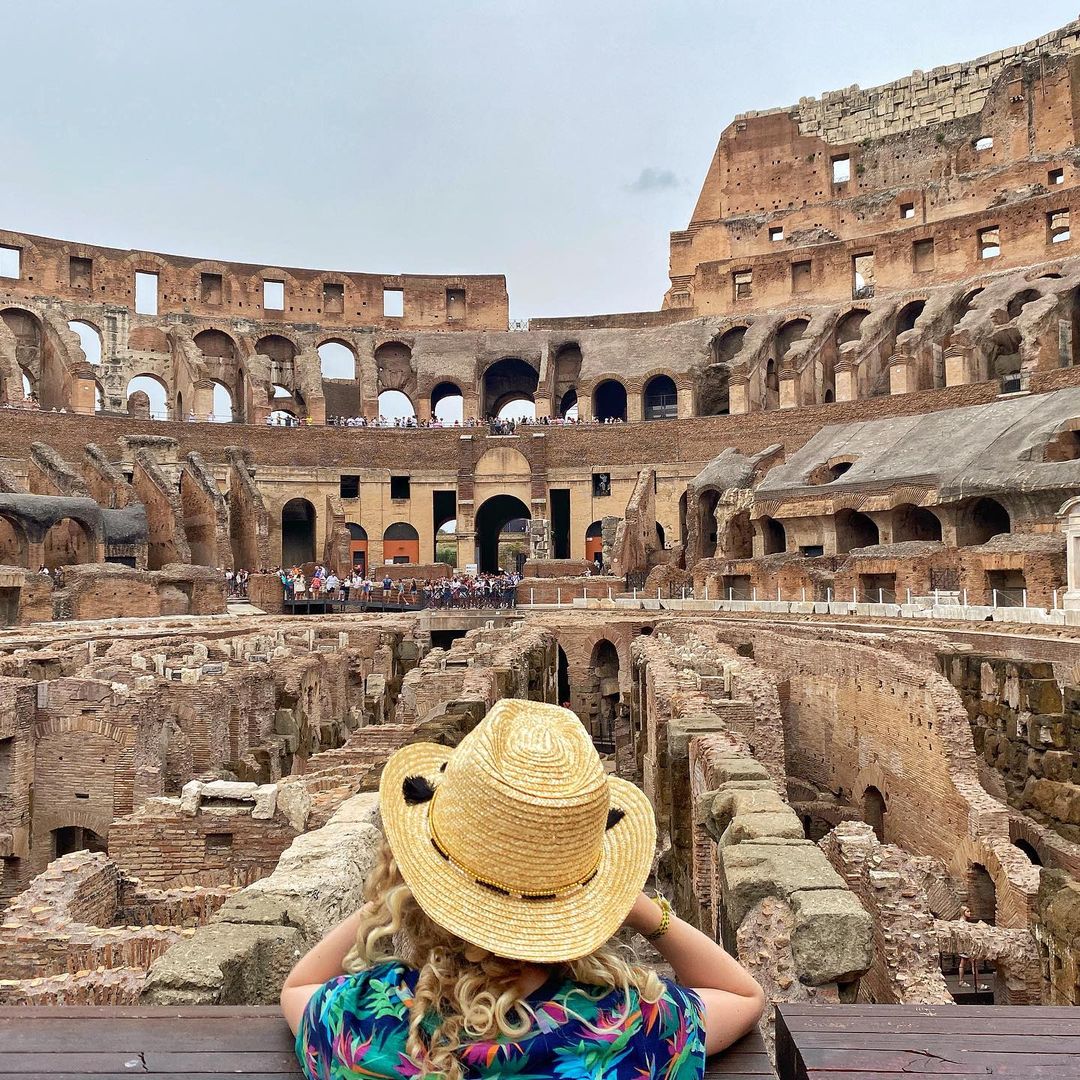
950, 1042
212, 1043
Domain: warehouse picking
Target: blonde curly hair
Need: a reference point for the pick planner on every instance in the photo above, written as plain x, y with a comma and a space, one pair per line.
474, 994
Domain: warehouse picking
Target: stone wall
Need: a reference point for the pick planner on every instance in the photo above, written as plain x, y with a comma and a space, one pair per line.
1025, 721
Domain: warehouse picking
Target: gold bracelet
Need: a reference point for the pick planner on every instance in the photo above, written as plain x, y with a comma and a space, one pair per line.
665, 919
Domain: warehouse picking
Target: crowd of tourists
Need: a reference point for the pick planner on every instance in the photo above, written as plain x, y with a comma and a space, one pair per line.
460, 591
497, 425
236, 584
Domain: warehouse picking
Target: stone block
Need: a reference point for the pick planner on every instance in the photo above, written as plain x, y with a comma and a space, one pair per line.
1057, 800
752, 827
833, 936
751, 872
728, 804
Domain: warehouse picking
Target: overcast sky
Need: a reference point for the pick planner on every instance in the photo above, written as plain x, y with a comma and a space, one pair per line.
557, 142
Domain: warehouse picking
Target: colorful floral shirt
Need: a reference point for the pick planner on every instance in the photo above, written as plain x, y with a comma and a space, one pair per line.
356, 1026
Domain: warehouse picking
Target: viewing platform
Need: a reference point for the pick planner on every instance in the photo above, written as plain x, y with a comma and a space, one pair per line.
814, 1042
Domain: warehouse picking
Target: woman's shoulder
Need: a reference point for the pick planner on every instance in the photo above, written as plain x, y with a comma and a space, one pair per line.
383, 991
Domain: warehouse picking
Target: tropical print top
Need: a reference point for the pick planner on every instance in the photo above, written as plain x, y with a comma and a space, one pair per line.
356, 1026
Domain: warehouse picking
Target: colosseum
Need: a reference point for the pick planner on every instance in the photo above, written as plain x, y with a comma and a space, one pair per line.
800, 547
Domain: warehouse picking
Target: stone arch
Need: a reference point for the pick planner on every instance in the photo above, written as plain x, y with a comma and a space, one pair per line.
773, 536
1020, 300
602, 694
89, 338
790, 332
492, 516
401, 543
660, 398
594, 541
502, 463
914, 523
908, 316
849, 325
727, 345
854, 529
298, 521
448, 395
67, 543
156, 391
337, 359
277, 347
609, 400
567, 375
874, 811
505, 381
980, 520
771, 388
14, 543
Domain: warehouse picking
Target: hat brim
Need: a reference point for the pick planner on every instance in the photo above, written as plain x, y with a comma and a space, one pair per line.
541, 931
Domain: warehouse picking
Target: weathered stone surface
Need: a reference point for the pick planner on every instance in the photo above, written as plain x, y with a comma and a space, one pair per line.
833, 936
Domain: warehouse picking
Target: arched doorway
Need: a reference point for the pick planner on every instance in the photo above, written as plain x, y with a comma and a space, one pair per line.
982, 895
773, 536
854, 530
563, 679
14, 549
914, 523
707, 527
981, 521
448, 403
874, 812
67, 544
70, 838
297, 533
661, 398
358, 542
337, 361
401, 543
609, 400
594, 542
89, 339
155, 390
495, 547
602, 702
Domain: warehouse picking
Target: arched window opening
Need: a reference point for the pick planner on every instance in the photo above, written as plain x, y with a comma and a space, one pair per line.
27, 387
276, 347
788, 334
773, 536
297, 533
727, 346
1021, 301
1030, 851
772, 385
401, 543
967, 302
661, 398
281, 392
661, 538
849, 328
982, 895
909, 316
283, 418
981, 521
509, 379
448, 403
568, 405
223, 405
609, 400
155, 390
830, 471
854, 530
394, 405
915, 523
215, 344
337, 361
874, 812
89, 339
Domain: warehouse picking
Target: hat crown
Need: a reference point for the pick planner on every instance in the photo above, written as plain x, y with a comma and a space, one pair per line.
524, 799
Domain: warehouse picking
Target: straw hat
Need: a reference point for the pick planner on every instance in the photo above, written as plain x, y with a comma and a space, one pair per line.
516, 840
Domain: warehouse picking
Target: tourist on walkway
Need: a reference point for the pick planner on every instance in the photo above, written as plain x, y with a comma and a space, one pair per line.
493, 854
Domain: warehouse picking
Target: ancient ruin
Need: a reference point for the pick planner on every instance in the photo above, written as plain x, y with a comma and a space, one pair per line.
801, 548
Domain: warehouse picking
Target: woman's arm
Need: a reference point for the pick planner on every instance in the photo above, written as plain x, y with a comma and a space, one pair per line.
733, 1000
319, 965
